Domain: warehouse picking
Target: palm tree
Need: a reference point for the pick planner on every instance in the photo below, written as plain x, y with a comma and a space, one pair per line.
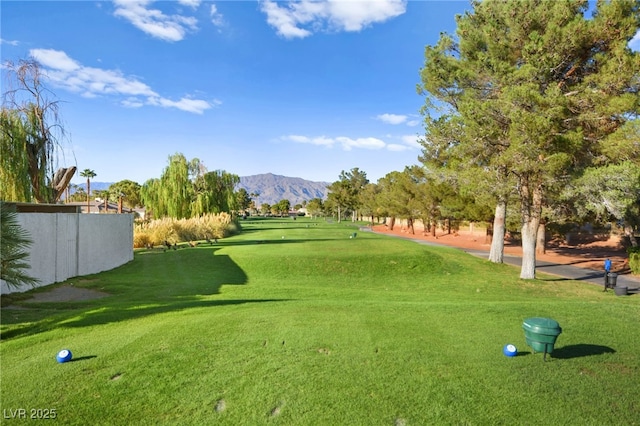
89, 174
255, 196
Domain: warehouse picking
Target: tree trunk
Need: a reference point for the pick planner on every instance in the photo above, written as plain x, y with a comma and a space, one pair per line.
88, 196
61, 182
339, 214
426, 226
628, 231
496, 254
531, 203
529, 232
433, 228
392, 223
488, 236
541, 239
410, 226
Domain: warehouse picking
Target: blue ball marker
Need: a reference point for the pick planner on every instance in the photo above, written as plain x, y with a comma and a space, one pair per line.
64, 356
509, 350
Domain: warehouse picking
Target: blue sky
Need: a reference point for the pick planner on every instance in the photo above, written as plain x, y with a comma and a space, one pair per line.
301, 89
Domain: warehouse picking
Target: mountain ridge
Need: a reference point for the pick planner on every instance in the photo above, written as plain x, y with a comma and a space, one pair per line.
271, 187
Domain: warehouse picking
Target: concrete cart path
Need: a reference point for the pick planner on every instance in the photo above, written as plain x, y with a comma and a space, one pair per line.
566, 272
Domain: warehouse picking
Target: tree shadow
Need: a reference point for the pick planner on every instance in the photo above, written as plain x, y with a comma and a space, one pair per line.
285, 240
164, 282
116, 313
581, 350
587, 276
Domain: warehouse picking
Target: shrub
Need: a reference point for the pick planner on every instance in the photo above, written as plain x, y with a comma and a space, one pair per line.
634, 259
173, 231
141, 239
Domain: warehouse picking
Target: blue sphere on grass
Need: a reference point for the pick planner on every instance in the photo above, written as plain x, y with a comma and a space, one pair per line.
509, 350
64, 356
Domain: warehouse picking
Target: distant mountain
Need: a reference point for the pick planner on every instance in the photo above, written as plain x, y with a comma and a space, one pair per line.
273, 188
95, 186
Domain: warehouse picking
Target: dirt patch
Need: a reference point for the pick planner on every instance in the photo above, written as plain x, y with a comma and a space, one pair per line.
588, 255
67, 293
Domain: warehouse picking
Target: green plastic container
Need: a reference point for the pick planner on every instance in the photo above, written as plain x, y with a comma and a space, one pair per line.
541, 334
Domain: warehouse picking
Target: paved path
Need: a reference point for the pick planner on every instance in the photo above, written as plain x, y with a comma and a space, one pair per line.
565, 272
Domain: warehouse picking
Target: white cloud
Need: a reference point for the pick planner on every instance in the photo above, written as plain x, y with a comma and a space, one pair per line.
634, 43
90, 82
153, 21
216, 17
404, 143
366, 143
283, 20
355, 15
321, 140
411, 141
197, 106
392, 118
397, 147
346, 143
132, 103
190, 3
54, 59
9, 42
301, 19
396, 119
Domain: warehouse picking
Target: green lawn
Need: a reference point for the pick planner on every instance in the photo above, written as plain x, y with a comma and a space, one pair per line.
293, 322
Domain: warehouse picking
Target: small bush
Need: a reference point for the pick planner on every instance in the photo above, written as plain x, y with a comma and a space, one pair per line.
141, 239
634, 259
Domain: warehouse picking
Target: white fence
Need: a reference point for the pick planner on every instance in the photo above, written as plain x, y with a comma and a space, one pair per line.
67, 245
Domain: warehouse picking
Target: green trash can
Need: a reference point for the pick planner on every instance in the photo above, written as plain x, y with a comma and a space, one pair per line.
541, 334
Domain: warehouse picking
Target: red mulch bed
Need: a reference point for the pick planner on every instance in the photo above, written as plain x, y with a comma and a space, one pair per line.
589, 255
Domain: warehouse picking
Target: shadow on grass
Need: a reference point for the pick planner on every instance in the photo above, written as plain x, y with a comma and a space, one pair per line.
83, 358
587, 276
116, 313
150, 284
273, 241
581, 350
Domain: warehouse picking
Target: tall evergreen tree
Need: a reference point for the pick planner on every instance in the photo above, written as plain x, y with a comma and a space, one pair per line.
344, 194
533, 87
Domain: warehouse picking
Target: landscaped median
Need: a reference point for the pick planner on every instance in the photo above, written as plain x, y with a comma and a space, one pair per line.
296, 322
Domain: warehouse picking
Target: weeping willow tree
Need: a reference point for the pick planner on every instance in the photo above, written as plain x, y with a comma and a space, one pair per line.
14, 162
185, 189
176, 187
31, 138
150, 196
214, 193
171, 195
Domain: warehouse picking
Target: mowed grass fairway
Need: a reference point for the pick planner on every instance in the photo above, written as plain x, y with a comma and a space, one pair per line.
293, 322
